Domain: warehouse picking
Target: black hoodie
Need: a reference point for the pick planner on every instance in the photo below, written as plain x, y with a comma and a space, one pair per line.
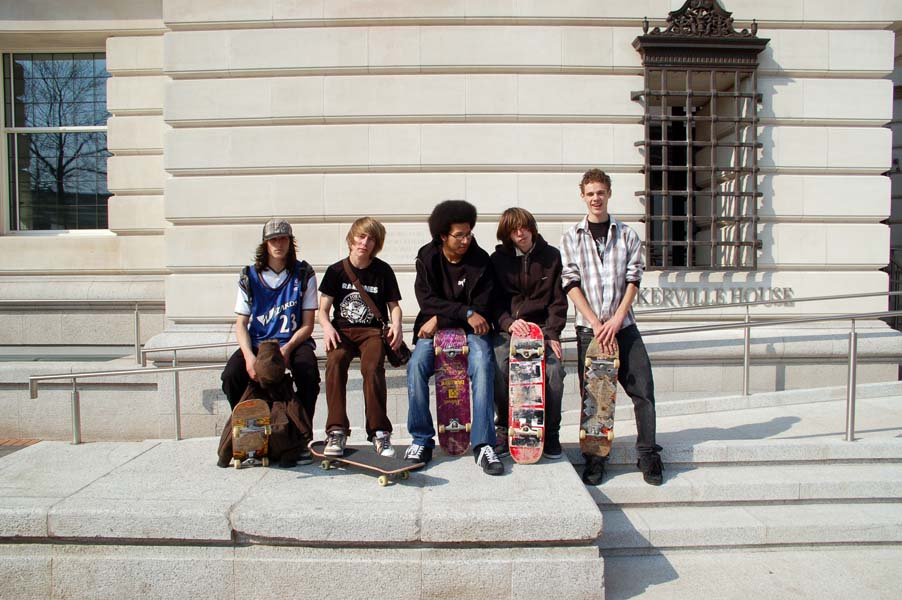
433, 291
528, 287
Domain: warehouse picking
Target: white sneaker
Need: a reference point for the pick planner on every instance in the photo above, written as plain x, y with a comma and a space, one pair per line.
382, 444
335, 443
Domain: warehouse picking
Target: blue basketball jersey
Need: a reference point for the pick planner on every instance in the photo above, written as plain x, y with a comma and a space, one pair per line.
275, 312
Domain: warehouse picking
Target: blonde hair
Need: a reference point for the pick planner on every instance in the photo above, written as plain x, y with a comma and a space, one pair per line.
370, 227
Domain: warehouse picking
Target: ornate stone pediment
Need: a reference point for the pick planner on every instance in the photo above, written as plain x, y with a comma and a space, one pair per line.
700, 33
700, 18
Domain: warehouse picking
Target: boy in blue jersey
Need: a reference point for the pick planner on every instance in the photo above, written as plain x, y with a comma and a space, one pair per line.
276, 301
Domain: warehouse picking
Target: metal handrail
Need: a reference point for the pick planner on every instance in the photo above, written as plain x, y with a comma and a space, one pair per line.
34, 380
69, 302
747, 325
174, 349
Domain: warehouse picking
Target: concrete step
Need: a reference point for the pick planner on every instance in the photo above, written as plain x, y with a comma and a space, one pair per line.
806, 573
777, 483
673, 404
158, 518
664, 527
787, 433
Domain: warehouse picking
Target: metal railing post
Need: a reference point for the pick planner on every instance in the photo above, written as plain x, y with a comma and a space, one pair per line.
850, 389
137, 335
746, 352
178, 401
76, 413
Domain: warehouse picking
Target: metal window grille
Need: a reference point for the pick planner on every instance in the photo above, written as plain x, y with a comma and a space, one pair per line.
701, 165
701, 146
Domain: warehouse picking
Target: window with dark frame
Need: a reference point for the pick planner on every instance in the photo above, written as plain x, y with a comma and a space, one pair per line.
701, 99
54, 123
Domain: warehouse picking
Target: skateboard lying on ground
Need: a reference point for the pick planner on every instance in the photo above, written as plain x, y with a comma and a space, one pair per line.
526, 385
452, 390
596, 427
250, 433
365, 458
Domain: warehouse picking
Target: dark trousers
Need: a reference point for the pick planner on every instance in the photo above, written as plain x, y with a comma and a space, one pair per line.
303, 367
635, 377
365, 342
554, 385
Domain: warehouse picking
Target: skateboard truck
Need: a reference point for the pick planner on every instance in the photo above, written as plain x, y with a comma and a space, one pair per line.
525, 430
454, 426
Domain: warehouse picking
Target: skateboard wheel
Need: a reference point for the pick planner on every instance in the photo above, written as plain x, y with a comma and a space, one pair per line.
617, 363
383, 480
467, 427
441, 429
236, 431
437, 350
582, 434
236, 462
265, 461
325, 465
267, 429
539, 433
610, 436
465, 350
510, 432
588, 362
405, 475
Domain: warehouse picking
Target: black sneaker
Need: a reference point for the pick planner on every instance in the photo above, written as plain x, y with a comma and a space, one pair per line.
418, 454
489, 461
552, 448
305, 457
651, 467
287, 462
501, 447
593, 472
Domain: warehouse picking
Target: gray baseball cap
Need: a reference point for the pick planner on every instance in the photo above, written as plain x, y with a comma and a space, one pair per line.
276, 228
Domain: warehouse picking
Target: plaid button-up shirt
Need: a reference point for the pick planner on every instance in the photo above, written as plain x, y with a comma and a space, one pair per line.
602, 274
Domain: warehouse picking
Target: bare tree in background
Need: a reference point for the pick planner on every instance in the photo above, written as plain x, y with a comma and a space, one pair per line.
57, 93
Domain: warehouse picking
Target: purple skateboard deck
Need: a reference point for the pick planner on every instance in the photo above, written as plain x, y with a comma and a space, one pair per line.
452, 390
526, 384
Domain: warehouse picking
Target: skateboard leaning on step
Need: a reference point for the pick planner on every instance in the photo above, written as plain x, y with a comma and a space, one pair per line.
250, 433
596, 428
526, 394
452, 390
363, 457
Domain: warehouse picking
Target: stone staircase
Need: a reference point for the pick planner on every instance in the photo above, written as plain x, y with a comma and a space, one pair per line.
749, 492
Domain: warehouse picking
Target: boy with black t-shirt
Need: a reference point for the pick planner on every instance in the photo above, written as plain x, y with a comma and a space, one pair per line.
355, 331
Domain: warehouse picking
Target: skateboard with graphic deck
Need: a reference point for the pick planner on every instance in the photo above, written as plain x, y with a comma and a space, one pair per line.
250, 433
452, 390
364, 457
526, 407
596, 427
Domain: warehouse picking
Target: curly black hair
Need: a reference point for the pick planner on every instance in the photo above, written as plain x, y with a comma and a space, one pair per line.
447, 213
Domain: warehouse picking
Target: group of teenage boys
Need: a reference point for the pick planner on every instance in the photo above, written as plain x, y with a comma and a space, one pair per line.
599, 267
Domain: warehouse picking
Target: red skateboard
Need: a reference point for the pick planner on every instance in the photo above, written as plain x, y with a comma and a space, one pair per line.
526, 407
452, 390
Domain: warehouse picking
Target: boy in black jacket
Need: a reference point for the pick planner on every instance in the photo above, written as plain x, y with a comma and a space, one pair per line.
528, 290
454, 289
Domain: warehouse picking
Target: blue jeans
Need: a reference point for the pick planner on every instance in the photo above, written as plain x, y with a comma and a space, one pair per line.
481, 369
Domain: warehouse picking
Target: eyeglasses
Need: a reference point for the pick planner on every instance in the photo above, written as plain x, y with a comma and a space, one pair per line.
462, 236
